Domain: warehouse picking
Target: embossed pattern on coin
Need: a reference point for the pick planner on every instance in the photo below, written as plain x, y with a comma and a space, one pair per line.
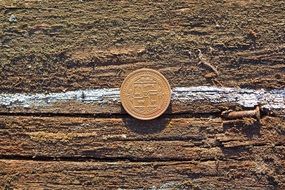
145, 94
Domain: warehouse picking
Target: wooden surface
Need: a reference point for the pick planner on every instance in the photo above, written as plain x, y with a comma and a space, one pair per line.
106, 101
61, 122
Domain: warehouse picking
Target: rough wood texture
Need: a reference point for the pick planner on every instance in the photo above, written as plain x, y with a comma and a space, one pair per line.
62, 46
247, 174
240, 154
162, 139
53, 46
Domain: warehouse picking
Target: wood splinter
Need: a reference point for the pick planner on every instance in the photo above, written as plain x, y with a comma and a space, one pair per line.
242, 114
203, 61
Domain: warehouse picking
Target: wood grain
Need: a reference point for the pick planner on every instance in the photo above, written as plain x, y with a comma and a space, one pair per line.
71, 46
163, 139
21, 174
54, 46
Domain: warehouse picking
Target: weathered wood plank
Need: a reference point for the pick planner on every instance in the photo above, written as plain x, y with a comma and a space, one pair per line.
201, 99
65, 47
54, 46
163, 139
253, 175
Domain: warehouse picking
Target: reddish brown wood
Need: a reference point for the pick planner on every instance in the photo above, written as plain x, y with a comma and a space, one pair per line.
247, 174
162, 139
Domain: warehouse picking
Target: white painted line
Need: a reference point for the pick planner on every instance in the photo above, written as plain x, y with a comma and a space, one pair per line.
274, 99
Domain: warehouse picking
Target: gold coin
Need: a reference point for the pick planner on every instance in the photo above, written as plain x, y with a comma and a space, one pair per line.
145, 94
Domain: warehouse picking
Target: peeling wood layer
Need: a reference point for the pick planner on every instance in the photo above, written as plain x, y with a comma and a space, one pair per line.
161, 139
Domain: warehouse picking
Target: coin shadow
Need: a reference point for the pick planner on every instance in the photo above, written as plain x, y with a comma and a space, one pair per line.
148, 126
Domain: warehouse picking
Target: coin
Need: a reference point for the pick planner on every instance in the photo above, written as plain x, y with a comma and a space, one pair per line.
145, 94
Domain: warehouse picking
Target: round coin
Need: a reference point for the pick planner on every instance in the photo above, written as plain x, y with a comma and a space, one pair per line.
145, 94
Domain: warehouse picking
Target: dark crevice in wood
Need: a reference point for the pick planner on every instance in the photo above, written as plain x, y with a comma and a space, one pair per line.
112, 115
83, 115
227, 151
84, 159
158, 139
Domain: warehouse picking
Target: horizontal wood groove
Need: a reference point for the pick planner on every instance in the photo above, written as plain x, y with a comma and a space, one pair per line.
134, 159
102, 160
114, 115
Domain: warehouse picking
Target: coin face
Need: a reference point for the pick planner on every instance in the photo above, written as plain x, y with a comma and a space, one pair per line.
145, 94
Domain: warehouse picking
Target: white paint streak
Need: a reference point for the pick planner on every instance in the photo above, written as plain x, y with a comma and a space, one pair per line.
103, 95
273, 99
